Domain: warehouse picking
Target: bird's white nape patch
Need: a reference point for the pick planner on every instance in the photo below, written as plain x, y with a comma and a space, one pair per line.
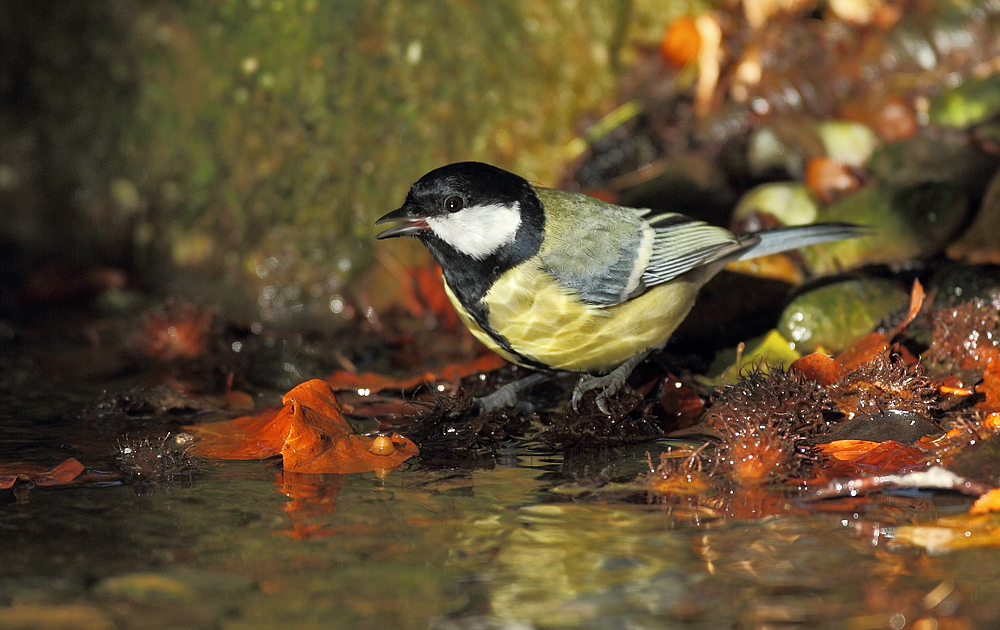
478, 231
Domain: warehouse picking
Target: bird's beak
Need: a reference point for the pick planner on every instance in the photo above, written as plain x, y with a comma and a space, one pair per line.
413, 223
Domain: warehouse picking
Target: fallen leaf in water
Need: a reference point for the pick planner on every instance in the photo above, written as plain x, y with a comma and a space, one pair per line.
845, 450
851, 457
40, 476
950, 384
370, 382
309, 433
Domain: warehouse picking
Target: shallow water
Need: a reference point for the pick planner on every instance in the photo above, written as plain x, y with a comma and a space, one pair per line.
527, 538
245, 546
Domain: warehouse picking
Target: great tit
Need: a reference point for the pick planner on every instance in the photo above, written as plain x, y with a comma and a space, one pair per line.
555, 280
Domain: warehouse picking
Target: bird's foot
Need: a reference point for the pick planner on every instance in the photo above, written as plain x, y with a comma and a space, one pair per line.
506, 396
611, 382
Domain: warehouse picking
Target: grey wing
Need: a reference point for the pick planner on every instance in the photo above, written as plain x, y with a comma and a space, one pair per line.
596, 250
682, 244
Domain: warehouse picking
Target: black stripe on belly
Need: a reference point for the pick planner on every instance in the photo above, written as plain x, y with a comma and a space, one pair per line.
480, 313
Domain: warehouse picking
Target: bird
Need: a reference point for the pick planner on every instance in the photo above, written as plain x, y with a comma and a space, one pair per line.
559, 281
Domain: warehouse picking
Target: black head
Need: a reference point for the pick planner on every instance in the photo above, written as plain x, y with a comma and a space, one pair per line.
477, 220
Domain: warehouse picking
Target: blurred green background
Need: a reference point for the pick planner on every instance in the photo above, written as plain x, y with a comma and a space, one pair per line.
240, 149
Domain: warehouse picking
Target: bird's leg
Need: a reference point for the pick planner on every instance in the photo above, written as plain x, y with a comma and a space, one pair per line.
611, 382
506, 396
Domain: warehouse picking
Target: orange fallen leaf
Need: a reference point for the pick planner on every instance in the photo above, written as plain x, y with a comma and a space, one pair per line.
370, 382
951, 384
875, 343
844, 450
853, 456
819, 367
863, 350
989, 502
309, 433
40, 476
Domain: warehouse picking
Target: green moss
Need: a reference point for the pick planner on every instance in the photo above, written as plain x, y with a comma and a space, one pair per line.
288, 126
217, 137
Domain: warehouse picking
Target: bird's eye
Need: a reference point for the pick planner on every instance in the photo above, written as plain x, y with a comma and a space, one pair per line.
454, 203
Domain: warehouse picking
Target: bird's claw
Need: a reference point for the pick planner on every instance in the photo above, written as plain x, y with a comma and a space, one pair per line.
500, 399
610, 383
506, 396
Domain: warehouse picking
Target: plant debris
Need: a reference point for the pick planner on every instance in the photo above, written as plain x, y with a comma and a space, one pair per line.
309, 433
154, 460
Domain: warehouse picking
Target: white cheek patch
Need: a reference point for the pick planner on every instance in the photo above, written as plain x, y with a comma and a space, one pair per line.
478, 231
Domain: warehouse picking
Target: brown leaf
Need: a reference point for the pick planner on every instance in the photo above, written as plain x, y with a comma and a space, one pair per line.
64, 473
845, 450
863, 350
309, 433
876, 343
61, 474
863, 456
372, 382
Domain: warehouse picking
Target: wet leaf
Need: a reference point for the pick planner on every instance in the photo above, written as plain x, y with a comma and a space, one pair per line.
848, 143
834, 315
859, 457
950, 534
874, 344
773, 349
905, 427
864, 350
846, 450
64, 473
829, 179
906, 222
309, 433
370, 382
979, 461
776, 267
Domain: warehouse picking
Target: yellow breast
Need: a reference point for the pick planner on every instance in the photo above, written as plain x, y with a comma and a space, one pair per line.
543, 322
